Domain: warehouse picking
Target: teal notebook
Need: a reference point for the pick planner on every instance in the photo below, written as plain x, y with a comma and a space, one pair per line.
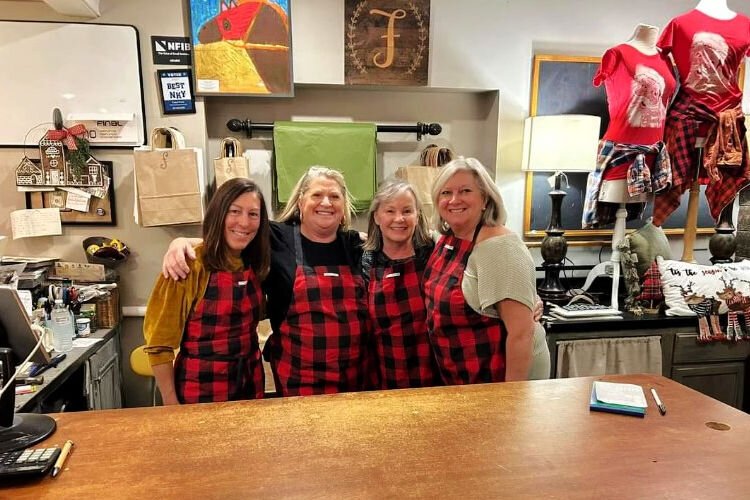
625, 399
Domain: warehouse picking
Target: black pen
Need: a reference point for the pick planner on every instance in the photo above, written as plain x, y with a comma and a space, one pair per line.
39, 369
659, 404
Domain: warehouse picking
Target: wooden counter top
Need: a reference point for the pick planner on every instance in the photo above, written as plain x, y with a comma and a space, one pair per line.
525, 439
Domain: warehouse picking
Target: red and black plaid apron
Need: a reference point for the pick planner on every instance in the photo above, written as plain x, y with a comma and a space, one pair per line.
219, 358
468, 346
402, 348
320, 346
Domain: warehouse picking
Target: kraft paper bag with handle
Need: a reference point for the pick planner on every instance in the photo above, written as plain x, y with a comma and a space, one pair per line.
169, 182
421, 180
230, 163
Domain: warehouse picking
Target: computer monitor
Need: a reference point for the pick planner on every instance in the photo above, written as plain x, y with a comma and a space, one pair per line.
17, 340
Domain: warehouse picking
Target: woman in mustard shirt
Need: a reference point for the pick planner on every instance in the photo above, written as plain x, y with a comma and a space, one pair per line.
213, 315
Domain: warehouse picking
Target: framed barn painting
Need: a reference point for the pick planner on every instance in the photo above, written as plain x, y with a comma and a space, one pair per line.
242, 47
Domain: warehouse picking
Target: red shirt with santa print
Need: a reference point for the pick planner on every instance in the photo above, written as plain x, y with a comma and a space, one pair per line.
708, 53
639, 88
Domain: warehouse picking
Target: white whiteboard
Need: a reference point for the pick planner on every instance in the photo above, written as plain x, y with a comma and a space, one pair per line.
80, 68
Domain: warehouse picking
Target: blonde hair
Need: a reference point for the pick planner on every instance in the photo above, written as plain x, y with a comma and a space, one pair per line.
493, 215
291, 210
387, 191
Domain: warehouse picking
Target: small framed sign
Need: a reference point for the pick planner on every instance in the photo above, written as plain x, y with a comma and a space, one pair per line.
176, 91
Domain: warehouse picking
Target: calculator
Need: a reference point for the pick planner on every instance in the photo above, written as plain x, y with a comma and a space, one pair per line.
584, 306
28, 462
583, 310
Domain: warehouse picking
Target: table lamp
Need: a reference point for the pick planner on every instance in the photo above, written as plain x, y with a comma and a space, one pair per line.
558, 143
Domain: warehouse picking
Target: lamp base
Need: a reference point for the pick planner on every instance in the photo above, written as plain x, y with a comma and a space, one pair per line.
553, 250
723, 243
551, 290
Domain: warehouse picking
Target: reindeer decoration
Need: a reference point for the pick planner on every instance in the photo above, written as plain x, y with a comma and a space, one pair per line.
707, 310
737, 303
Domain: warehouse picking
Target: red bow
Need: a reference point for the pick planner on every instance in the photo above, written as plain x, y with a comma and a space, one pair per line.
68, 135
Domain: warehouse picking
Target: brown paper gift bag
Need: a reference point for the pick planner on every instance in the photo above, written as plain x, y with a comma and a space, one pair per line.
421, 179
231, 163
169, 181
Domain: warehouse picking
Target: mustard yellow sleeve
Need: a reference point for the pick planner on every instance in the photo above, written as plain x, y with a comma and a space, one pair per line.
168, 309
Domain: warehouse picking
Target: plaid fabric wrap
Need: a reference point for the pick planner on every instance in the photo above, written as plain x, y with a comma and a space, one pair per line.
320, 347
651, 288
219, 358
402, 348
682, 127
641, 179
468, 346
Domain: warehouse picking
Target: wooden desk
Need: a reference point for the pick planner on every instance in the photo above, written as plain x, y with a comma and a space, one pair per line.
525, 439
55, 377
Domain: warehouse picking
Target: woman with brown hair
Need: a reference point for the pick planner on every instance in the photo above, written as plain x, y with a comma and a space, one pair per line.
213, 315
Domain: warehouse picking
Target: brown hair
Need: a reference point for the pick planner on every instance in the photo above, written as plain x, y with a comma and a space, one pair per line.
216, 253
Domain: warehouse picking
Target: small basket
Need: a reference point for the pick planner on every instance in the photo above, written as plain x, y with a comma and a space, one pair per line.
108, 312
117, 258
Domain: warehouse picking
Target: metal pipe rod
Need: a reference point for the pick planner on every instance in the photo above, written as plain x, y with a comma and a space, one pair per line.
237, 125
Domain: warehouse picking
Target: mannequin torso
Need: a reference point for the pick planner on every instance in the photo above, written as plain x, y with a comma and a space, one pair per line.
644, 39
717, 9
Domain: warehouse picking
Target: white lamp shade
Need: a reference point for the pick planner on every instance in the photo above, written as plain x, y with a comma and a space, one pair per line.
565, 143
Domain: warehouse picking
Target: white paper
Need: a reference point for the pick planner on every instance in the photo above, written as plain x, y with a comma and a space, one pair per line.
26, 300
620, 394
77, 200
35, 222
85, 342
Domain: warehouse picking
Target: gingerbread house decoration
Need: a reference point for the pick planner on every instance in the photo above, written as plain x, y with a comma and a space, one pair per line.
92, 175
52, 155
29, 174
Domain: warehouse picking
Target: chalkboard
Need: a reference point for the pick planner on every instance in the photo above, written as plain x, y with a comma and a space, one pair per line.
572, 209
563, 85
84, 69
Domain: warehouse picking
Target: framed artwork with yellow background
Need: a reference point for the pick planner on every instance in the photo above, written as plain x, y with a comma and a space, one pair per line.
242, 47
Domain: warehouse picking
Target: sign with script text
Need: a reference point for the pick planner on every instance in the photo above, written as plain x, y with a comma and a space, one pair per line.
386, 42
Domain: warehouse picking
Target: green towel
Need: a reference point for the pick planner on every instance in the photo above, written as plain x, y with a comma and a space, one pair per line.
349, 148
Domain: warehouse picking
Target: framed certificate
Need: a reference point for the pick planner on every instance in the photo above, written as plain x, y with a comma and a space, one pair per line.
177, 95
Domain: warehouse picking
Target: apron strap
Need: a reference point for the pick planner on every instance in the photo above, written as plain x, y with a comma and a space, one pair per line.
298, 245
476, 233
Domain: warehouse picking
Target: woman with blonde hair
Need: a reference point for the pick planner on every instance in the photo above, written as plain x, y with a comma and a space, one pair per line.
317, 301
479, 284
396, 252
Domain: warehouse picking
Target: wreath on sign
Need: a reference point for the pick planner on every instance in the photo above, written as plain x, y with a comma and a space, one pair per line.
75, 139
351, 35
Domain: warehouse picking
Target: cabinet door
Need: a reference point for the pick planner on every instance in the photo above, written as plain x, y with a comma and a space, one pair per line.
722, 381
103, 377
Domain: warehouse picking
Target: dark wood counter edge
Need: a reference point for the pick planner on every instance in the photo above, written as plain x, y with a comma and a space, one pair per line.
53, 378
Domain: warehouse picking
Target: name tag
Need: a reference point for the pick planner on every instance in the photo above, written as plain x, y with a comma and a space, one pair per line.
335, 275
448, 247
392, 275
241, 283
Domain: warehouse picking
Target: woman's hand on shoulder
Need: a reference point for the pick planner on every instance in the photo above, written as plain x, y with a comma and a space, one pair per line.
174, 264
